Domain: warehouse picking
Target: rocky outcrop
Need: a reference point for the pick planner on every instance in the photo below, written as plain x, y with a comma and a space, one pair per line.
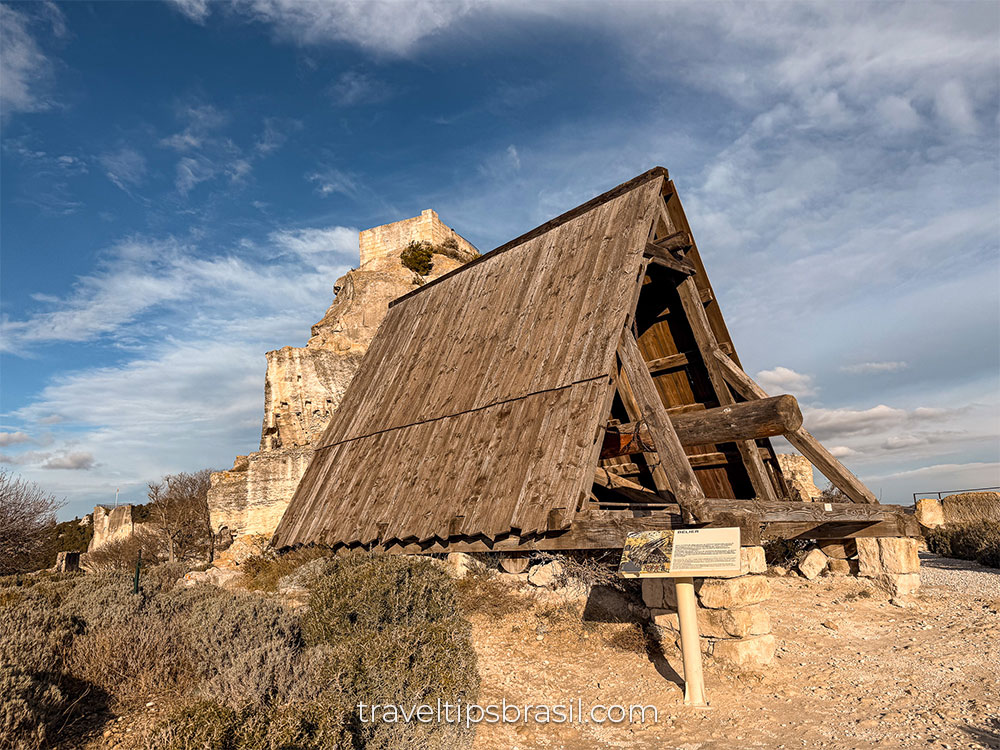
304, 385
798, 474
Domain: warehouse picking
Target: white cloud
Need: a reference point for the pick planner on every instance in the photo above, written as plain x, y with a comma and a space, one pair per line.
75, 461
841, 451
193, 328
330, 180
125, 167
25, 68
14, 438
785, 380
381, 26
953, 106
864, 368
197, 10
354, 87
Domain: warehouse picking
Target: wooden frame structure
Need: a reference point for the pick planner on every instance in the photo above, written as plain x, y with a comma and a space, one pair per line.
570, 387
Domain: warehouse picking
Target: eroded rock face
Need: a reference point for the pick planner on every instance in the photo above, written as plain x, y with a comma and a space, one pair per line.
304, 385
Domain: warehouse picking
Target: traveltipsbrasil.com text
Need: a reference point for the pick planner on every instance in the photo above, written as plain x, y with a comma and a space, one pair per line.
506, 713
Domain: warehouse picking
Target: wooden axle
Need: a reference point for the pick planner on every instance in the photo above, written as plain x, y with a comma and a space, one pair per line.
725, 424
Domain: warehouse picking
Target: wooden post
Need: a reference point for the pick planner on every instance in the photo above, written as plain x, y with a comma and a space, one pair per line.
687, 613
673, 460
707, 345
804, 442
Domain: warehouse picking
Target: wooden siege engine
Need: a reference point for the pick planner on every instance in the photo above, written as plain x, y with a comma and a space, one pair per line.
591, 390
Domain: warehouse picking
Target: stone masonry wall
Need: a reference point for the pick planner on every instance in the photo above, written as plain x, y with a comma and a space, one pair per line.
733, 621
798, 473
386, 241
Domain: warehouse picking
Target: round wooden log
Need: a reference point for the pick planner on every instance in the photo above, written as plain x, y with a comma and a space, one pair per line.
514, 563
752, 420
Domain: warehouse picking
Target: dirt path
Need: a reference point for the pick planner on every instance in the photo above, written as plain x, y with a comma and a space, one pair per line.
853, 671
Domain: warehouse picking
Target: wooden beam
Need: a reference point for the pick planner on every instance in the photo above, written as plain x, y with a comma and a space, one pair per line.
670, 260
673, 460
607, 529
724, 424
670, 362
678, 242
708, 459
660, 480
707, 346
804, 442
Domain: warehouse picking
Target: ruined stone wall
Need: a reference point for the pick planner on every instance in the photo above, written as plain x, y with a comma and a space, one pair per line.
387, 240
303, 385
111, 524
964, 507
798, 473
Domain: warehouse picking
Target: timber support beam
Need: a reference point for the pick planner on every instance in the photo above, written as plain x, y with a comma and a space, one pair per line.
801, 439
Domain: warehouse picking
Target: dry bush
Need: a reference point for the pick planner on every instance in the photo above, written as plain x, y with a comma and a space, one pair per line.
27, 525
122, 553
482, 594
262, 573
979, 541
633, 638
785, 552
178, 506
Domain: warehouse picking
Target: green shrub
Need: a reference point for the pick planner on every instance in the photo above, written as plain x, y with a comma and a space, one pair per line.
418, 257
261, 573
979, 541
395, 634
236, 665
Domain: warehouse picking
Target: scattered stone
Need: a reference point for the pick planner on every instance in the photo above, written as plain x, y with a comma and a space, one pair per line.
545, 574
730, 593
838, 567
899, 585
813, 563
829, 624
757, 651
459, 564
892, 555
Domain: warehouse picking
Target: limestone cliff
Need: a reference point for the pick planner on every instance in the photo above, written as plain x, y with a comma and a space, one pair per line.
303, 385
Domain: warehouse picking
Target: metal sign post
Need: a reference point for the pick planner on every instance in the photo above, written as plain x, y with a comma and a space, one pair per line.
682, 554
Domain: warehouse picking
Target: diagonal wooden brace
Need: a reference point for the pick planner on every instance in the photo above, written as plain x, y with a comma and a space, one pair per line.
673, 460
804, 442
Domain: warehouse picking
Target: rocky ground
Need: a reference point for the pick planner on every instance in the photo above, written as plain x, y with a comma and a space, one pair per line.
852, 671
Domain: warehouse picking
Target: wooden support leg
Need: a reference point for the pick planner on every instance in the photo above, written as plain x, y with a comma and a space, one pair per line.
805, 443
707, 345
673, 460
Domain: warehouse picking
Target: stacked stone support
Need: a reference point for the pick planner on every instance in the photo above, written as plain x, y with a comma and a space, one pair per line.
734, 625
892, 562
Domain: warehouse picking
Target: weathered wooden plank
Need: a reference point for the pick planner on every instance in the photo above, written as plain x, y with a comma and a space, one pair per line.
715, 458
670, 362
804, 442
747, 421
673, 460
678, 242
707, 345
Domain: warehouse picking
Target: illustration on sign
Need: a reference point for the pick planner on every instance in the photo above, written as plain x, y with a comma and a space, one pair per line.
681, 553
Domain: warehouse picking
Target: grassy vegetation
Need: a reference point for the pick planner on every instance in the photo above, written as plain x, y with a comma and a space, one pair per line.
237, 669
418, 257
979, 541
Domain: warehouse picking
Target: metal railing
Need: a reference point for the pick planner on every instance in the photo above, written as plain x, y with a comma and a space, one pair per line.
942, 493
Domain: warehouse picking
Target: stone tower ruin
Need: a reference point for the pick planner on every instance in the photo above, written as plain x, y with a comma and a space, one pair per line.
304, 385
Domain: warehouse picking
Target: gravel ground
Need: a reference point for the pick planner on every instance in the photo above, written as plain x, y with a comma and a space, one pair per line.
963, 575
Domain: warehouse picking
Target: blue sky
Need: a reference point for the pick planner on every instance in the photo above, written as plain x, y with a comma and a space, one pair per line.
183, 182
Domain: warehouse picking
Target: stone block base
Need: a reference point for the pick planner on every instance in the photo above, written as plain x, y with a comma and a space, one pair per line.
887, 555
